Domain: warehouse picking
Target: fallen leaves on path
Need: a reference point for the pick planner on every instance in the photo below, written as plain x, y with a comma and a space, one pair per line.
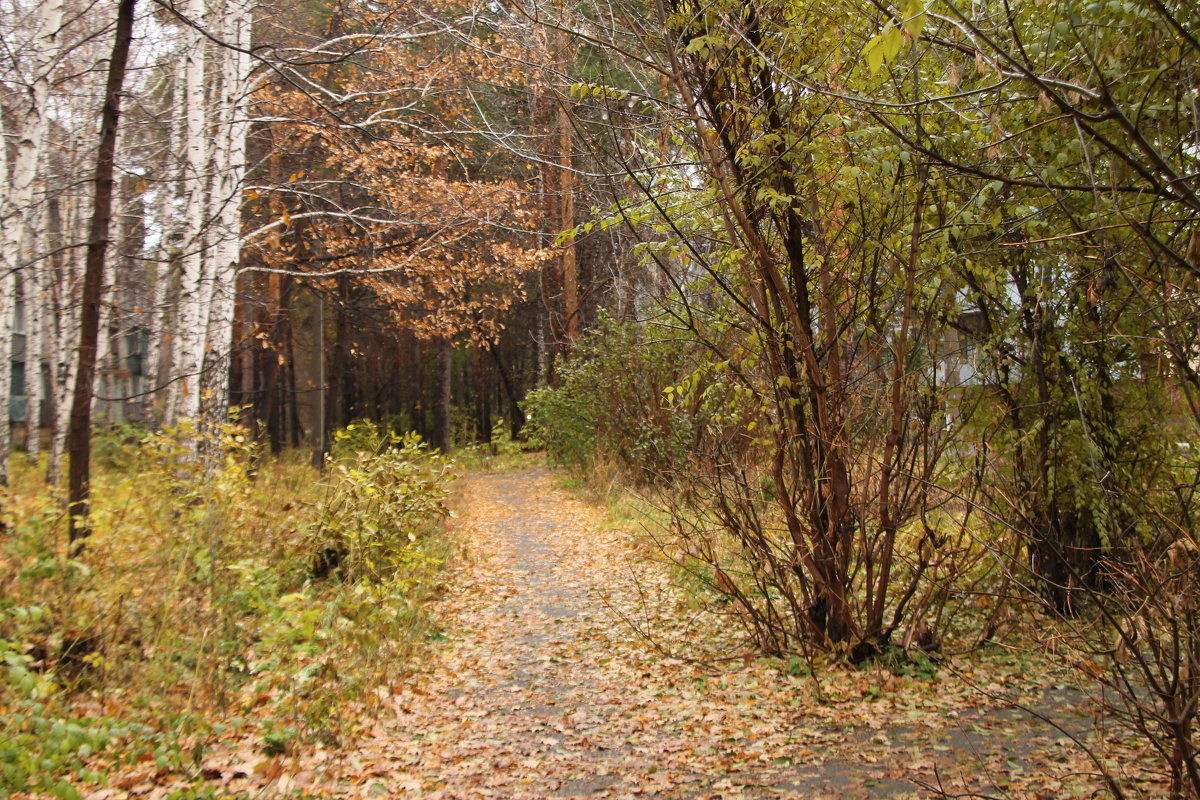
571, 667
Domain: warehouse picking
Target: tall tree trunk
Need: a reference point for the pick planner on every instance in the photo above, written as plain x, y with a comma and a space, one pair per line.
160, 313
320, 421
16, 195
248, 352
516, 416
160, 363
35, 339
483, 425
230, 169
566, 187
442, 421
341, 376
271, 357
292, 431
193, 312
79, 436
418, 389
103, 385
64, 329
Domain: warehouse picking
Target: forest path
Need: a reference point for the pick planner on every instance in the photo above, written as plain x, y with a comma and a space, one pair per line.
557, 679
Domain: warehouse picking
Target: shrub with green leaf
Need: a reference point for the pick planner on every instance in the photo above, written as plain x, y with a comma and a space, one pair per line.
610, 403
196, 595
383, 500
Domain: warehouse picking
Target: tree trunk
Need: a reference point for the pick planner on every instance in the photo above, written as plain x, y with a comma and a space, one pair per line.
35, 304
230, 168
517, 417
483, 425
442, 421
64, 327
341, 377
16, 195
291, 412
103, 385
418, 389
79, 435
184, 400
164, 321
566, 185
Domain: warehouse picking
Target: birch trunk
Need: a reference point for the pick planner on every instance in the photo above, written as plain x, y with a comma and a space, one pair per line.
10, 227
159, 312
35, 304
189, 335
62, 286
230, 167
106, 388
159, 359
16, 196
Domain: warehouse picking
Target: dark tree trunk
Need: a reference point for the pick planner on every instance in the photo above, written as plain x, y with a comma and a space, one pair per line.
477, 395
79, 441
516, 416
341, 376
291, 411
442, 422
269, 380
418, 391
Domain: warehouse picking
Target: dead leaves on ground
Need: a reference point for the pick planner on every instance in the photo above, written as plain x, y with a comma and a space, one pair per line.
573, 668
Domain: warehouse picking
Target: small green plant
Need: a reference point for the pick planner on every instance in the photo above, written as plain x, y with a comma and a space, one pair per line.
379, 507
797, 667
906, 664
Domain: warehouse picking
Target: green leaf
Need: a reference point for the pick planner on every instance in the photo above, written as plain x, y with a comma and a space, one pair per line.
874, 53
915, 21
892, 39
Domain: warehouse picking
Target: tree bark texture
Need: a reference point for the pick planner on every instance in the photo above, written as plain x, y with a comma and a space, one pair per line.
79, 435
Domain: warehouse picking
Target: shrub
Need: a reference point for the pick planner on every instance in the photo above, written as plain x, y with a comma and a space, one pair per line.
382, 501
610, 404
195, 593
361, 436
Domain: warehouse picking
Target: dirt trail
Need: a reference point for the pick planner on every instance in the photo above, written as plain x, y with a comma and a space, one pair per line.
544, 688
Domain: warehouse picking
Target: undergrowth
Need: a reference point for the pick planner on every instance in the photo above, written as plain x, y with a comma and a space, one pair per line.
501, 452
227, 597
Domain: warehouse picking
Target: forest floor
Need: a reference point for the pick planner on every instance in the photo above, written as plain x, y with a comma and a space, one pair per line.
571, 667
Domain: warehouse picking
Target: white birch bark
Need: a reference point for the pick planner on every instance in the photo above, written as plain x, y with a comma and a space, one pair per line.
230, 171
34, 278
160, 357
10, 221
64, 328
159, 311
189, 338
102, 407
16, 195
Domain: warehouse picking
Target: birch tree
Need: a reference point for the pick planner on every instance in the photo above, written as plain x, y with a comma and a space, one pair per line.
17, 189
35, 323
184, 398
229, 167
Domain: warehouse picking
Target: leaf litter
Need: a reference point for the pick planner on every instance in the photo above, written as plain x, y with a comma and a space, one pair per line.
570, 666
